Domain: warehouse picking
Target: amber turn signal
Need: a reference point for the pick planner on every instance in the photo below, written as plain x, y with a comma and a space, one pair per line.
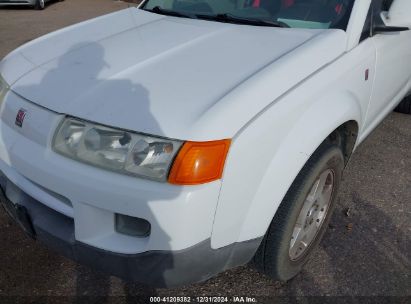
199, 162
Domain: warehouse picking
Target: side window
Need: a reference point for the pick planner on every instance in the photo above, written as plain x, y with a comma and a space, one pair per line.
374, 16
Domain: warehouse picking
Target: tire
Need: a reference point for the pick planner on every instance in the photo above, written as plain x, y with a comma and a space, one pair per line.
274, 256
40, 4
404, 106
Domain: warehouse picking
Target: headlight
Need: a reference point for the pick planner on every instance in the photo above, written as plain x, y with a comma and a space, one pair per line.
117, 150
4, 87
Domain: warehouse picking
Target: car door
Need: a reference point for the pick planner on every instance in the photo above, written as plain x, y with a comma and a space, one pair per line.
393, 67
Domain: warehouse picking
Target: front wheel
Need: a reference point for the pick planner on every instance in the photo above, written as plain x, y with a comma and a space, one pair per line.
303, 216
40, 4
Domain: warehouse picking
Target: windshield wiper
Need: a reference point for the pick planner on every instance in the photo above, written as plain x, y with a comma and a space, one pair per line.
162, 11
240, 20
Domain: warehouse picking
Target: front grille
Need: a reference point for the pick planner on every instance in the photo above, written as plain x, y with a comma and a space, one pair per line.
24, 186
57, 196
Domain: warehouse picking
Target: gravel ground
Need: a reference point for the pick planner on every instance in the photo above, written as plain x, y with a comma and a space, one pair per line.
367, 253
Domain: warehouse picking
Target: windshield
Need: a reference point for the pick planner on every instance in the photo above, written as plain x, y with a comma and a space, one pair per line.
310, 14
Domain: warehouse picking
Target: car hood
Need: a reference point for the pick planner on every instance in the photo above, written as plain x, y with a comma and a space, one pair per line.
166, 76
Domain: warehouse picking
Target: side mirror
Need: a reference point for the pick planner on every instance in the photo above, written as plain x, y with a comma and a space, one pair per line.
389, 29
399, 14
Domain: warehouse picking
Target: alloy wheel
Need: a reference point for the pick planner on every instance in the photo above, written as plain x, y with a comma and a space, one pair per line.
312, 214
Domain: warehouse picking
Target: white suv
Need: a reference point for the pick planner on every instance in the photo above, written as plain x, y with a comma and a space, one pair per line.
169, 142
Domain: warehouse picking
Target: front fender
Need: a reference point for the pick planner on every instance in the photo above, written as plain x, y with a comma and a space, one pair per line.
263, 164
268, 153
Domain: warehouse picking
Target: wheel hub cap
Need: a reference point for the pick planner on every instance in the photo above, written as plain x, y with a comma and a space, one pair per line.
312, 214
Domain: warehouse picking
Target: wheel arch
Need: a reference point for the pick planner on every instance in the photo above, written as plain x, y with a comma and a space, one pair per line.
345, 136
255, 206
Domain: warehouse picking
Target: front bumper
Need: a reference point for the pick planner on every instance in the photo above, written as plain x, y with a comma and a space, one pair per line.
156, 268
